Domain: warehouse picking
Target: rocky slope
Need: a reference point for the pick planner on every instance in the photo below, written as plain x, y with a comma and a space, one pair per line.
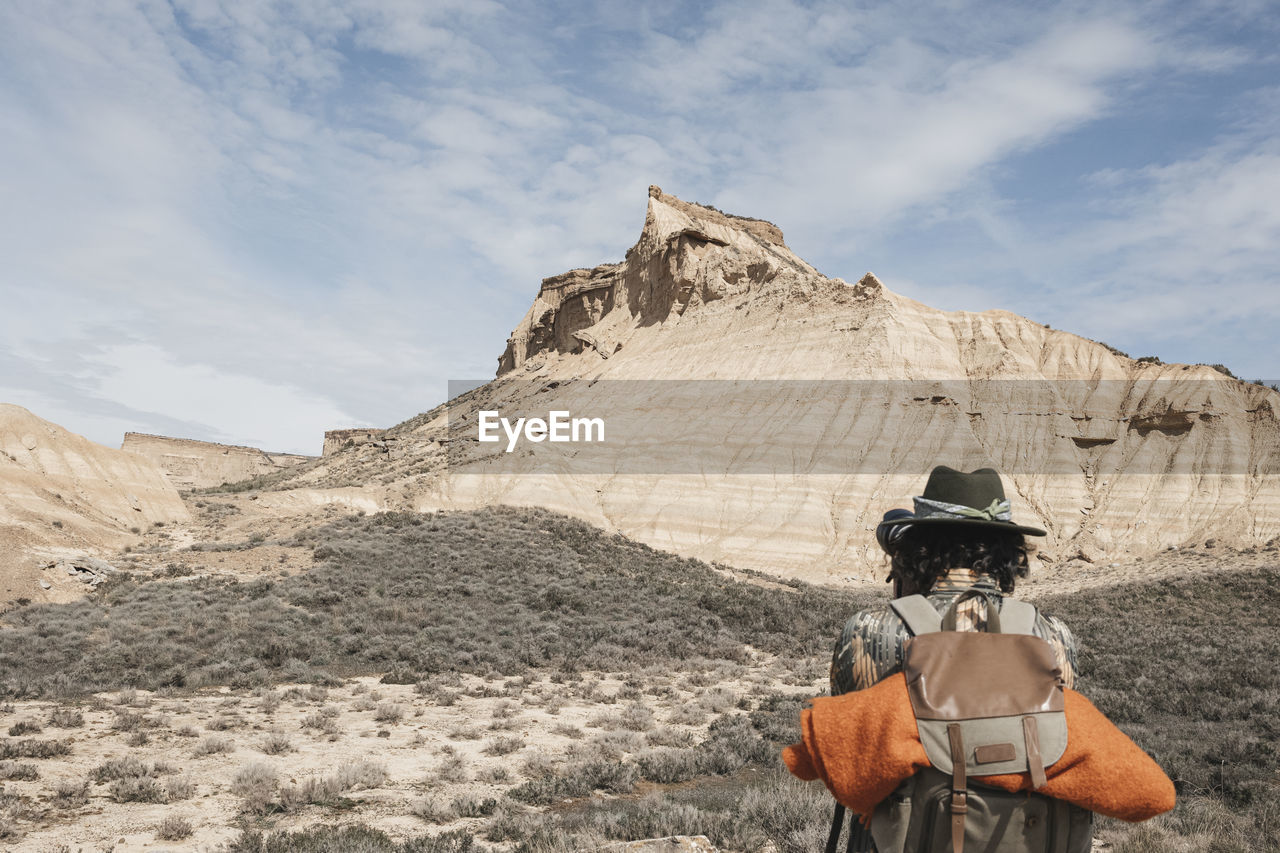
64, 497
763, 414
191, 464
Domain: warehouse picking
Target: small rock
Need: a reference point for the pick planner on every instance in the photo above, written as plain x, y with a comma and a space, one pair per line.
93, 564
45, 585
1089, 554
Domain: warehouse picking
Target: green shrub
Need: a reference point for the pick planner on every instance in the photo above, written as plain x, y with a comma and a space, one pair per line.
18, 772
349, 839
174, 828
69, 795
121, 768
275, 743
579, 780
256, 785
66, 718
1190, 668
551, 592
214, 744
143, 789
472, 807
503, 745
30, 748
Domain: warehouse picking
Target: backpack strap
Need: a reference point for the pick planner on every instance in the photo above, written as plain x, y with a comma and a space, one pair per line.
917, 614
837, 825
951, 617
1017, 617
959, 787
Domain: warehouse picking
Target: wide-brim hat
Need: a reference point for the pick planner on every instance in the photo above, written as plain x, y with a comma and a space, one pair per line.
951, 497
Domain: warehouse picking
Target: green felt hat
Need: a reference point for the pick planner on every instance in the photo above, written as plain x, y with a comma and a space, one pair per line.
964, 500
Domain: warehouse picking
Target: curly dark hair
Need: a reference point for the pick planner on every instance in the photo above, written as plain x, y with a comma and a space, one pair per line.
926, 552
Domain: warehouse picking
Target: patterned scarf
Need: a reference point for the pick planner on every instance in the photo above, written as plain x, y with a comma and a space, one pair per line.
999, 510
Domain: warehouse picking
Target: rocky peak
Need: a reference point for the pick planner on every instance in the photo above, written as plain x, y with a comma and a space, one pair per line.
703, 213
688, 255
854, 393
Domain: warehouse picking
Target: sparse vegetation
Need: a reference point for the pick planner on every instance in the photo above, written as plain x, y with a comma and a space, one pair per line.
66, 718
30, 748
388, 712
1190, 668
18, 772
327, 790
549, 613
356, 839
214, 744
138, 789
180, 788
275, 743
503, 745
121, 768
68, 794
555, 592
174, 828
256, 784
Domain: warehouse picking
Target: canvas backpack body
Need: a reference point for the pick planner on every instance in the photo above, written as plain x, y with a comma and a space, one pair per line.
986, 703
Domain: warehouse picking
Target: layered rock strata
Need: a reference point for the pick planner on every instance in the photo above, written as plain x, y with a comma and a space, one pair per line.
192, 464
63, 496
733, 376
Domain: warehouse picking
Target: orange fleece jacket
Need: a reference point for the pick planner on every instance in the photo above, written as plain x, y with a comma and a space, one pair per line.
863, 744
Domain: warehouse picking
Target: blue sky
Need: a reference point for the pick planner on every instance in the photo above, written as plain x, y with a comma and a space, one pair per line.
250, 222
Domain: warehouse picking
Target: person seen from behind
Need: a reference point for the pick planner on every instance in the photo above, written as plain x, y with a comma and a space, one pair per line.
958, 546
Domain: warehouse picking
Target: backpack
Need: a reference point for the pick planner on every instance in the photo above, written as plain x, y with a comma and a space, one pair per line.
986, 703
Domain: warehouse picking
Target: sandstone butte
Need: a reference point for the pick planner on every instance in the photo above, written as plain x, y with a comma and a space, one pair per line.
62, 495
191, 464
792, 409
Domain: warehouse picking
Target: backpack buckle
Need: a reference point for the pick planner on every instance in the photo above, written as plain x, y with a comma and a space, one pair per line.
959, 802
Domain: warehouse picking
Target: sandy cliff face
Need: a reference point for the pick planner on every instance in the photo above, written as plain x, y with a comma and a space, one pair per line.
62, 494
793, 409
191, 464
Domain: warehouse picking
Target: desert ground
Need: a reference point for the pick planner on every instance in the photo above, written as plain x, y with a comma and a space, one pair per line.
660, 722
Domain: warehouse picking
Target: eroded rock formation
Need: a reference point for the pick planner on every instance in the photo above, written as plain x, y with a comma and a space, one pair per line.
342, 439
191, 464
1116, 458
63, 496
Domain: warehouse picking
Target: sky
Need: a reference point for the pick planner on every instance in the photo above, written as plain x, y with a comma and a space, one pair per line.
250, 222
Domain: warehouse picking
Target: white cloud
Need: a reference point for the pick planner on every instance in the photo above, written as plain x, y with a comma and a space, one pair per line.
332, 207
868, 152
1190, 250
148, 379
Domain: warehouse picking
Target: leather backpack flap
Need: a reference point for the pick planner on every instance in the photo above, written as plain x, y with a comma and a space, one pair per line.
1005, 692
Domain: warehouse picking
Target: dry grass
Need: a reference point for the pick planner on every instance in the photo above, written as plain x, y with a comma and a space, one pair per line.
510, 589
1188, 667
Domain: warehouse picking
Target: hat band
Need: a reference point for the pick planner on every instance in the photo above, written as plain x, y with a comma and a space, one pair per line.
999, 510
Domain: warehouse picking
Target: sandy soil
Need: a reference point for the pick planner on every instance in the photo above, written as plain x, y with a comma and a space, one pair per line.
434, 754
433, 750
236, 534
